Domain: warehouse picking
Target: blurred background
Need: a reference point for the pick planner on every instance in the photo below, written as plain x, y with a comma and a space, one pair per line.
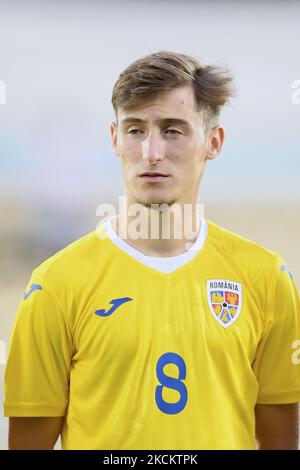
59, 61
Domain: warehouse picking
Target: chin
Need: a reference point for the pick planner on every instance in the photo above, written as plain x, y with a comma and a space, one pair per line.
147, 198
149, 202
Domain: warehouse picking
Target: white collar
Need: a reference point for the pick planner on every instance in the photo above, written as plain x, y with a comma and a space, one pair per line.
165, 264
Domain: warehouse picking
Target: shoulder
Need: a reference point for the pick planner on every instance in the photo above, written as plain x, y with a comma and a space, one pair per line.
243, 252
75, 262
75, 250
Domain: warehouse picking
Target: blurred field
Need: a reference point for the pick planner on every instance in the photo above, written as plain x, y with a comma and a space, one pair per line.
276, 229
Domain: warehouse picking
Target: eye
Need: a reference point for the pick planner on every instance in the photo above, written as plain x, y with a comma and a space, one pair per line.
173, 131
133, 131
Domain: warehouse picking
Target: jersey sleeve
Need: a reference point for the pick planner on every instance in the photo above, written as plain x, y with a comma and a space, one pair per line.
36, 381
277, 361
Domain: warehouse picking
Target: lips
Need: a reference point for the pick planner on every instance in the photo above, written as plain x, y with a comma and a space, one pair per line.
148, 173
153, 177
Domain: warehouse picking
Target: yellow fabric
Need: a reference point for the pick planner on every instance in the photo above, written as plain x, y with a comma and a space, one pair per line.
160, 371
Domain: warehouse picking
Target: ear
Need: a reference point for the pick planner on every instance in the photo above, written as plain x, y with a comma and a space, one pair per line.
113, 132
215, 141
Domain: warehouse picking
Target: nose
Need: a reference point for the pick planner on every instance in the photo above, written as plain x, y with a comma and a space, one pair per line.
153, 148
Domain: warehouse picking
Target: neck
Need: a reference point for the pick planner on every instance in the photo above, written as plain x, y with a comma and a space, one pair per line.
162, 233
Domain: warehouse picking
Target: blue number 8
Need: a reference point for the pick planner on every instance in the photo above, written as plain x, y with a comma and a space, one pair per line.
171, 382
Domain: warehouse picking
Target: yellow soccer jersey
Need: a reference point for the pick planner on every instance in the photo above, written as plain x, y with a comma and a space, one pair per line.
136, 358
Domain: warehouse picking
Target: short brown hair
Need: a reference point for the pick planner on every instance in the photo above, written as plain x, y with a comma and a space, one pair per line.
151, 75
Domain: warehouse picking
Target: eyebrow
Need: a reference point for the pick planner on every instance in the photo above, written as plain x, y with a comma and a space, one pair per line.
164, 121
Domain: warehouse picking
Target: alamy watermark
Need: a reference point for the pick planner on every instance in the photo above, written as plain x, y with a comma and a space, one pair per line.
295, 357
156, 221
2, 353
295, 98
2, 92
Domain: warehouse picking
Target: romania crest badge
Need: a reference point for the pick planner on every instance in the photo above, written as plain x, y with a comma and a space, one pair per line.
224, 300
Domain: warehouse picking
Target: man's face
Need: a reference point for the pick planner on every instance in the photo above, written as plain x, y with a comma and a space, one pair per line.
168, 137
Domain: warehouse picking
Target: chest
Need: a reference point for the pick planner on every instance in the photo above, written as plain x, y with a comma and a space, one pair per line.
190, 316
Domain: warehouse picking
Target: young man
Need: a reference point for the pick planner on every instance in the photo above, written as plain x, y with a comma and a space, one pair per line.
159, 342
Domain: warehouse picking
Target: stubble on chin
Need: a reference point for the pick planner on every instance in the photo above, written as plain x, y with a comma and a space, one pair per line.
156, 204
